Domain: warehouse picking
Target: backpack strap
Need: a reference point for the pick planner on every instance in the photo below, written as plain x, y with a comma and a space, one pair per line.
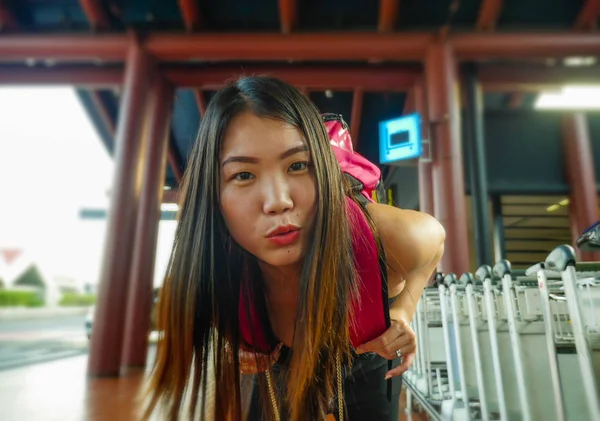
356, 187
386, 302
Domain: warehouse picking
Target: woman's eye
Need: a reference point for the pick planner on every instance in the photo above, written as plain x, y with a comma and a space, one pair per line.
298, 166
243, 176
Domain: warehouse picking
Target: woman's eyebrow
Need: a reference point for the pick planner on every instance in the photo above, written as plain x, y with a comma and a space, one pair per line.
242, 159
293, 151
253, 160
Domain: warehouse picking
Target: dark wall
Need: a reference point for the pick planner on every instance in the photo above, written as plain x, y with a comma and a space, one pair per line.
594, 124
339, 103
377, 107
524, 155
523, 152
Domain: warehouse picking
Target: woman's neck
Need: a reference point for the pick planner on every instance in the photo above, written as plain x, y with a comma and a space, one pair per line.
281, 298
281, 283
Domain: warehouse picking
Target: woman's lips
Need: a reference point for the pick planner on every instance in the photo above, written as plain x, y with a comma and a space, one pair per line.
284, 239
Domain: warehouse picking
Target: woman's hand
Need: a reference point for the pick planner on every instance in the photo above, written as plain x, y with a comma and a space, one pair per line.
254, 362
398, 341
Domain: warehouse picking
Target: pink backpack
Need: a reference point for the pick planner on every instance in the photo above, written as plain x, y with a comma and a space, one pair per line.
364, 176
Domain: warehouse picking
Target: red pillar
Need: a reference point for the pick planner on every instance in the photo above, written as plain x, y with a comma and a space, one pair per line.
447, 165
107, 336
574, 225
139, 306
579, 164
425, 170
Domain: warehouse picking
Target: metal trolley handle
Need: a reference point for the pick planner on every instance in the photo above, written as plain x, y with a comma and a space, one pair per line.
450, 279
502, 268
483, 273
560, 258
590, 239
466, 279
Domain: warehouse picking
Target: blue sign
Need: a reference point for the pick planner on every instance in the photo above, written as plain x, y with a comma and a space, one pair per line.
400, 139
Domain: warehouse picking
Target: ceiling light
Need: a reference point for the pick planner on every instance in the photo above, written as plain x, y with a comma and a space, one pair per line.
570, 97
169, 207
557, 206
577, 61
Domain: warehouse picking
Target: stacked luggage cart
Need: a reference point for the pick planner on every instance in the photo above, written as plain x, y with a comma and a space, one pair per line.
511, 345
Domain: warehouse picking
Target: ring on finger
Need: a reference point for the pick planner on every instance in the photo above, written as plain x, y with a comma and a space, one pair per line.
399, 353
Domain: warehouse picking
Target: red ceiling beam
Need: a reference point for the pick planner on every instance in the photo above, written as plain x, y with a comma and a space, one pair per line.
489, 13
95, 14
190, 13
264, 47
288, 15
7, 19
507, 78
516, 45
200, 102
103, 113
588, 16
260, 47
356, 114
498, 78
84, 48
317, 77
388, 15
88, 77
409, 103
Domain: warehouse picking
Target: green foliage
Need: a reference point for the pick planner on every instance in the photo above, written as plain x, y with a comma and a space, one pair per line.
70, 299
31, 278
16, 298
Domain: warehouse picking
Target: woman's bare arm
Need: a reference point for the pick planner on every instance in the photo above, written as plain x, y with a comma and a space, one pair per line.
414, 244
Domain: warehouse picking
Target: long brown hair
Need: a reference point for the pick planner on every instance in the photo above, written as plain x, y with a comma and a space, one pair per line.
199, 305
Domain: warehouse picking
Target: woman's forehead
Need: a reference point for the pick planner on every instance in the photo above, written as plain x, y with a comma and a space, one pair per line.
249, 134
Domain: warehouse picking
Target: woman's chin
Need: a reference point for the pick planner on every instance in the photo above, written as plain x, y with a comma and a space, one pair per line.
282, 258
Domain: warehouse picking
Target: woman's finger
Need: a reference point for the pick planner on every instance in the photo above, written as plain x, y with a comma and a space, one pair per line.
406, 364
405, 342
396, 329
390, 351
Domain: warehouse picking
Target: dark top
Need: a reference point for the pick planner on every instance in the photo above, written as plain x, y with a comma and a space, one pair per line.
368, 396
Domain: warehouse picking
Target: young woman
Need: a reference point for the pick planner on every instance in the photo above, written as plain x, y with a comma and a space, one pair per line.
264, 276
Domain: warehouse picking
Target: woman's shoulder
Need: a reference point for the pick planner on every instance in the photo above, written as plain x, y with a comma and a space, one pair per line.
386, 216
410, 238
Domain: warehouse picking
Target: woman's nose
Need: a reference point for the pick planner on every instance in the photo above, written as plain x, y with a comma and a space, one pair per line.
277, 197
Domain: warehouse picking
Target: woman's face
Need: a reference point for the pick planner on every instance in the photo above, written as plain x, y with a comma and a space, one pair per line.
268, 189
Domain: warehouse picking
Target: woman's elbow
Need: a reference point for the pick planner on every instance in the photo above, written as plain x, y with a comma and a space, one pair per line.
437, 233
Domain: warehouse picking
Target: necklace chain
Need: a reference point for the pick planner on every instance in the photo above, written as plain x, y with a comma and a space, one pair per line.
338, 366
272, 394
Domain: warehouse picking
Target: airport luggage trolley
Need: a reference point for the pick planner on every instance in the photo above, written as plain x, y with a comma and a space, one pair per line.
570, 301
506, 344
428, 378
436, 377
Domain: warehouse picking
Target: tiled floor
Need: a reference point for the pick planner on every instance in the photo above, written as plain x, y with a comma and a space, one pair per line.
60, 391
